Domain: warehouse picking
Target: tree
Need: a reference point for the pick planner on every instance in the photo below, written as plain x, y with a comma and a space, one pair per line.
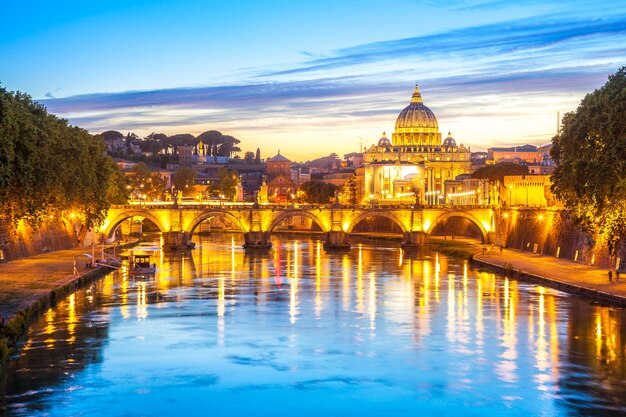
48, 167
219, 144
590, 153
318, 192
112, 135
184, 180
144, 183
498, 171
226, 185
249, 157
257, 157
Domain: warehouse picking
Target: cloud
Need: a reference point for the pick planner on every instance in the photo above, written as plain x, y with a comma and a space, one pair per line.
490, 41
471, 77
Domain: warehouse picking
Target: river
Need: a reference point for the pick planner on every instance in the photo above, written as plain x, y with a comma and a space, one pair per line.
302, 332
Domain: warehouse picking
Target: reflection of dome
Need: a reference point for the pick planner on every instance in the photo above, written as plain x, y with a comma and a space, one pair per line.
384, 141
449, 141
416, 124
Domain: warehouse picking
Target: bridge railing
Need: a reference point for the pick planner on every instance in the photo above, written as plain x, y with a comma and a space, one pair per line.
241, 205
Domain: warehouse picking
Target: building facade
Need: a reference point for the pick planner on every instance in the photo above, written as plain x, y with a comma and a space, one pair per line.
412, 166
280, 186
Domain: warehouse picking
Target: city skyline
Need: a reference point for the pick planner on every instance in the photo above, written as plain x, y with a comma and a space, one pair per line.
277, 76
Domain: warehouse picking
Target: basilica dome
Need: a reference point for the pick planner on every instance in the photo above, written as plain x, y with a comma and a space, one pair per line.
384, 141
416, 124
449, 141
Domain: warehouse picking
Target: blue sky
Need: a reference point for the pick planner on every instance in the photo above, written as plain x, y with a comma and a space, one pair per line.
312, 78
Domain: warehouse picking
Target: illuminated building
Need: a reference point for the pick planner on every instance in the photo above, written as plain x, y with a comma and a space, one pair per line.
280, 186
413, 165
527, 190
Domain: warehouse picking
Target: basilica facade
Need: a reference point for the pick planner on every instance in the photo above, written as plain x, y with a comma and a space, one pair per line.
413, 166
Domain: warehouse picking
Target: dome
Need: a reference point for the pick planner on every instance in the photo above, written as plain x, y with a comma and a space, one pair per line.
384, 141
449, 141
416, 115
416, 124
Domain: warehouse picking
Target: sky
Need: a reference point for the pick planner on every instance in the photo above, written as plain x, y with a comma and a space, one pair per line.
311, 78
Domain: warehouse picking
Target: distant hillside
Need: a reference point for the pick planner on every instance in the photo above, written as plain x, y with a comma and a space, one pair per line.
325, 162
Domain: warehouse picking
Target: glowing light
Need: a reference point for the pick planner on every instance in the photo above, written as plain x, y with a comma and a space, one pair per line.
487, 226
426, 225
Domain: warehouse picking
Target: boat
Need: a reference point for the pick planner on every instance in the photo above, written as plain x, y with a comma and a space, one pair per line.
141, 265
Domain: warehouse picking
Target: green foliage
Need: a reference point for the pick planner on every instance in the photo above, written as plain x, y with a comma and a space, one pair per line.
498, 171
219, 144
317, 192
184, 180
144, 183
590, 153
226, 186
249, 157
48, 166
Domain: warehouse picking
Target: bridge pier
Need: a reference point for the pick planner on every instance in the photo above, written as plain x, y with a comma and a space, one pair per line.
257, 240
176, 240
414, 240
336, 240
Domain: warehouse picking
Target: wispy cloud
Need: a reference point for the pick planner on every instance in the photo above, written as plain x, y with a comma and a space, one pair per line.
477, 76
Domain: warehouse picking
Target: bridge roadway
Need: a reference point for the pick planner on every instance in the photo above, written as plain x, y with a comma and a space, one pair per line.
179, 222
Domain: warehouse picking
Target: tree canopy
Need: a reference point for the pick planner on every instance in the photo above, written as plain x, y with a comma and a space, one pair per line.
226, 186
590, 152
498, 171
145, 184
184, 180
318, 192
219, 144
48, 167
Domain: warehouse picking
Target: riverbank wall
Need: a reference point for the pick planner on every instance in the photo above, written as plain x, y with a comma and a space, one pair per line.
551, 232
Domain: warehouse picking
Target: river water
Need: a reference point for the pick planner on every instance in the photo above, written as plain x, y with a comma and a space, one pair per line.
301, 332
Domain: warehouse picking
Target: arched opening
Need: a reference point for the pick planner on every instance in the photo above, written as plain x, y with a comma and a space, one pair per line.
216, 227
297, 221
376, 224
456, 225
133, 225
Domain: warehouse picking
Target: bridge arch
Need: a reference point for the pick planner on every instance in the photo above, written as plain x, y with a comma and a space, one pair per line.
297, 213
377, 213
117, 220
211, 214
463, 214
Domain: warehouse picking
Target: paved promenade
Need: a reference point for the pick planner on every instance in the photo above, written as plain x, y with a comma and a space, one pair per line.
559, 271
24, 281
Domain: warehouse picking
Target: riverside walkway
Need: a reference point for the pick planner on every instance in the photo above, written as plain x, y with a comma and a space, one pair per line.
588, 281
24, 281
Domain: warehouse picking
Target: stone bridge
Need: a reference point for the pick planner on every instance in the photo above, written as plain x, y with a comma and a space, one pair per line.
256, 222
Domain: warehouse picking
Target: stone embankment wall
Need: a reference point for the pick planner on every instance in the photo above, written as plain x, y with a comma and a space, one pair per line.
552, 233
23, 241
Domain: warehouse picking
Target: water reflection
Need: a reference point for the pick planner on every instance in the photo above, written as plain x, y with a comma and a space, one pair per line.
298, 331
